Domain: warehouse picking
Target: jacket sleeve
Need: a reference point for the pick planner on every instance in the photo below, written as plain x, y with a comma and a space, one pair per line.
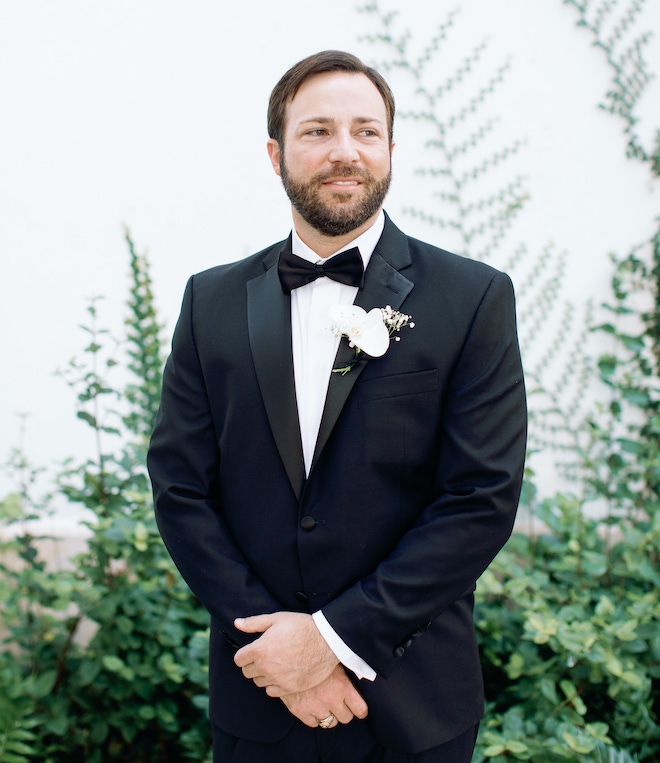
183, 462
478, 479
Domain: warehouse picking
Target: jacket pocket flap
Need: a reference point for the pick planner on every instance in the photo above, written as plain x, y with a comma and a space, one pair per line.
398, 385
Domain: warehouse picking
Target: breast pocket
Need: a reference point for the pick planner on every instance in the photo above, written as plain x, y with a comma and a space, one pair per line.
400, 415
399, 385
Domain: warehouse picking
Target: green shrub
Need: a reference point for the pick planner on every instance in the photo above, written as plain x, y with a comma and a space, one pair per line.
135, 690
569, 620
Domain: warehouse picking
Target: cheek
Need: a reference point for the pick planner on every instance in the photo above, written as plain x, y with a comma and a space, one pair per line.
301, 161
310, 161
383, 160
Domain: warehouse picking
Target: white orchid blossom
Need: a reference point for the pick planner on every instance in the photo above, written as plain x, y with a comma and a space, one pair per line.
368, 332
365, 330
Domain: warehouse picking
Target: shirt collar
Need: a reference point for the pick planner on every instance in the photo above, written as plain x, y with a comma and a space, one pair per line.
366, 242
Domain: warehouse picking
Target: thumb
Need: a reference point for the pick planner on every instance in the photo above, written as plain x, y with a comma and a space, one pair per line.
255, 624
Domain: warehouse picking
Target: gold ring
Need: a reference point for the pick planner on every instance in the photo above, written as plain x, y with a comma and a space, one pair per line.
327, 723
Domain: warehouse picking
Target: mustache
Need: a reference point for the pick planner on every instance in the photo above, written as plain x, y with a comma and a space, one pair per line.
343, 171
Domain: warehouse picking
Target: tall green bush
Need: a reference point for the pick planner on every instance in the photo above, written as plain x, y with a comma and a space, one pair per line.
106, 661
569, 620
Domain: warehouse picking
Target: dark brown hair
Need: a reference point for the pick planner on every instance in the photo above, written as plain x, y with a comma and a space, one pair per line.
326, 61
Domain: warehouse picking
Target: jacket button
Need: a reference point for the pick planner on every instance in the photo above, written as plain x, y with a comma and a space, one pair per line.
408, 643
399, 651
301, 597
308, 523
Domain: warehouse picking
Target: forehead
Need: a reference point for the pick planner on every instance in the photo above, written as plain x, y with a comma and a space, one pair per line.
337, 95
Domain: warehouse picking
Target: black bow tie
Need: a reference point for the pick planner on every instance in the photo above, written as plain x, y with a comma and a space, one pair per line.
346, 268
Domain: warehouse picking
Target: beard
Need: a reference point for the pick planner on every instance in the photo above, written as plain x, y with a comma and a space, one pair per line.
344, 215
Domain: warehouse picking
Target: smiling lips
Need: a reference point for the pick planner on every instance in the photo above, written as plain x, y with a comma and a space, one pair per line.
343, 183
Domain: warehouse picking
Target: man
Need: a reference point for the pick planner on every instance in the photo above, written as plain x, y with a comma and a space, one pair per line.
331, 507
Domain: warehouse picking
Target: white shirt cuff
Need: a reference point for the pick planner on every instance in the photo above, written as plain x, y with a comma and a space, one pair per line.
346, 656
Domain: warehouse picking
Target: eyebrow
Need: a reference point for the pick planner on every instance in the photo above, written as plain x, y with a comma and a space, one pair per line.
330, 120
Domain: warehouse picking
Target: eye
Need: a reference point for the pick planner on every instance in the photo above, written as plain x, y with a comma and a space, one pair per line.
317, 131
369, 132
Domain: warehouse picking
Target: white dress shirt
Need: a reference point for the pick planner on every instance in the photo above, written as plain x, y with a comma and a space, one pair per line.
314, 349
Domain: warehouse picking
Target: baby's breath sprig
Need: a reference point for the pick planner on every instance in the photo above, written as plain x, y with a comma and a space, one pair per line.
395, 321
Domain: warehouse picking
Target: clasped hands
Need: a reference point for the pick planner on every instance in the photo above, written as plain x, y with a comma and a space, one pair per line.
291, 660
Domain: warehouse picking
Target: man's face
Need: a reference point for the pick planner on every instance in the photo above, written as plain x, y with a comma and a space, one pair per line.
335, 158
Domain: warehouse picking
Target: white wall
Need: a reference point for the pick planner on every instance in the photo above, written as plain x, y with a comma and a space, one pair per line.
152, 114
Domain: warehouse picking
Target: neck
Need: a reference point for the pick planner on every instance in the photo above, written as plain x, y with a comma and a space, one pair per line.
322, 244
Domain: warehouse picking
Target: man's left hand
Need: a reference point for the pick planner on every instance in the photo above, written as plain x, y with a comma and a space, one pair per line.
291, 655
335, 695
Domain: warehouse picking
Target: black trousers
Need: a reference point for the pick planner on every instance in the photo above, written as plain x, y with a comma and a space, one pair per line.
351, 743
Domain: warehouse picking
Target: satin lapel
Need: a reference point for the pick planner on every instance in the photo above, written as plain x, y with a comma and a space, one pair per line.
269, 327
384, 285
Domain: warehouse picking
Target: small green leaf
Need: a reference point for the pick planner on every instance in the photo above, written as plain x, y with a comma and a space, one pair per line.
9, 757
493, 750
517, 747
634, 679
113, 664
99, 732
632, 446
43, 684
12, 506
607, 365
516, 666
87, 417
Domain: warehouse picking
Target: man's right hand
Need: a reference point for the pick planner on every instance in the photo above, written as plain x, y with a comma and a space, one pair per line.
335, 695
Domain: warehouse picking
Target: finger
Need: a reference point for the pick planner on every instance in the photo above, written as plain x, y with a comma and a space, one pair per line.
243, 657
250, 670
356, 704
342, 713
260, 681
272, 690
254, 624
320, 715
256, 674
301, 712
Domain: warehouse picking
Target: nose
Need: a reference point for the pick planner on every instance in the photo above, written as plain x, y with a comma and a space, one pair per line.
344, 148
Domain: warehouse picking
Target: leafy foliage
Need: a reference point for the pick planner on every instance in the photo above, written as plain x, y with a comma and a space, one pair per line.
107, 660
611, 29
569, 620
144, 348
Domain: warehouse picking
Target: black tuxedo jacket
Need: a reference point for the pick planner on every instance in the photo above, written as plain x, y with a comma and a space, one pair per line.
412, 491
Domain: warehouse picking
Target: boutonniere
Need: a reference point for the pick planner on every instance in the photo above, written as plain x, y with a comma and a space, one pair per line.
368, 332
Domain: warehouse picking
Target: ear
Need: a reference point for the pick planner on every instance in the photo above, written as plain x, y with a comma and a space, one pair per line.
274, 154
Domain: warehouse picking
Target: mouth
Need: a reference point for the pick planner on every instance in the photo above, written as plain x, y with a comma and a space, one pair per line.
342, 183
